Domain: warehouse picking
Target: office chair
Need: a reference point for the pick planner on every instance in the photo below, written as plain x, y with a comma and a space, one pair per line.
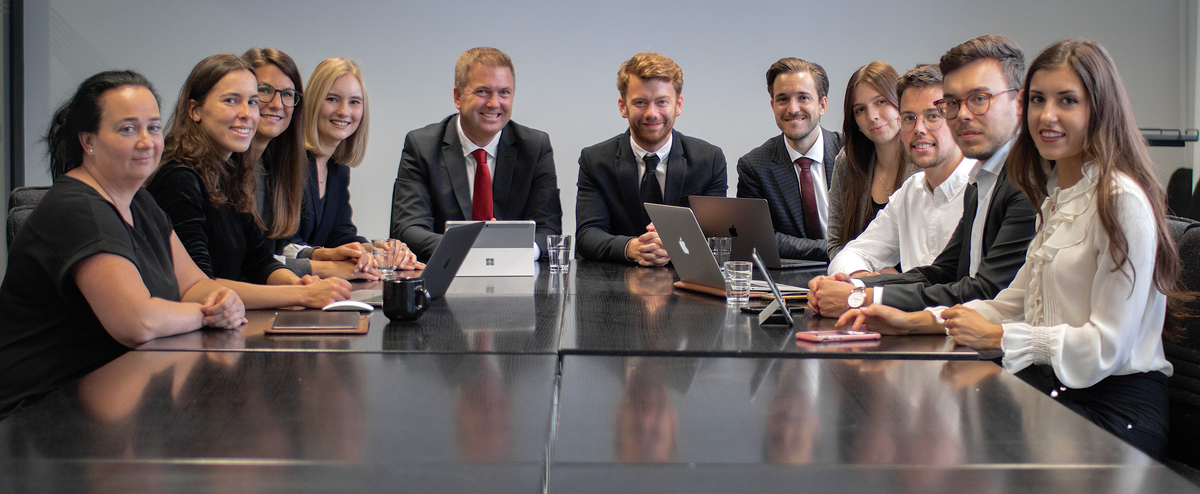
1179, 192
20, 204
1183, 351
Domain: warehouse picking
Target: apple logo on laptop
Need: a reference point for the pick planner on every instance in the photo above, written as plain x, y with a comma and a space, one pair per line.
733, 231
683, 246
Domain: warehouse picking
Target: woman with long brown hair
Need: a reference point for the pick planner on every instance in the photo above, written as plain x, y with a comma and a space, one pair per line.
871, 165
1083, 319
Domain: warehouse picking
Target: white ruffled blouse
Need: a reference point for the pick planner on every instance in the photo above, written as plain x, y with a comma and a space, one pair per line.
1069, 306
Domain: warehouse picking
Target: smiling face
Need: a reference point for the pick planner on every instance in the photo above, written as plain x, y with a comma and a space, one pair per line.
876, 118
341, 112
275, 117
1059, 115
980, 136
926, 148
128, 142
797, 108
229, 113
651, 106
485, 102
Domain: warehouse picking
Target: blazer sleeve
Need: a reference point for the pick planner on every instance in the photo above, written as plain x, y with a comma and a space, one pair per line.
544, 206
177, 190
593, 221
412, 211
835, 205
344, 231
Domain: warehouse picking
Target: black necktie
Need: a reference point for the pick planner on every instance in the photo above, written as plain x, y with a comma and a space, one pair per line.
650, 191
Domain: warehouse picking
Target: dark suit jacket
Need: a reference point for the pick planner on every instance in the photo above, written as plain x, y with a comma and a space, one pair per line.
767, 172
431, 184
1009, 227
608, 210
337, 225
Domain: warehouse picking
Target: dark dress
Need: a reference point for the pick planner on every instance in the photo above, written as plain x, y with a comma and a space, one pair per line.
224, 243
49, 336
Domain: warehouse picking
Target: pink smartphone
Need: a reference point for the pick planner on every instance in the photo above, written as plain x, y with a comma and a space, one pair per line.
831, 336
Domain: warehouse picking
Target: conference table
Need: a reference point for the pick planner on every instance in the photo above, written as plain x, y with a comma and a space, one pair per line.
604, 378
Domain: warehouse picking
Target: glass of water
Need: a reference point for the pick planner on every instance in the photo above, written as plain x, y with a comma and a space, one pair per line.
385, 251
560, 252
737, 281
720, 247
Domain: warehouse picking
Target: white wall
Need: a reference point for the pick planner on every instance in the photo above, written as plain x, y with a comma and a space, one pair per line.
567, 53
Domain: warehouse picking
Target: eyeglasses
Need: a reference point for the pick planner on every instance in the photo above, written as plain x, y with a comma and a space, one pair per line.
267, 92
978, 103
933, 121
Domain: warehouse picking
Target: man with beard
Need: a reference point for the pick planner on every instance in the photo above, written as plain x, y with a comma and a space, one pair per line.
981, 103
792, 171
648, 163
921, 216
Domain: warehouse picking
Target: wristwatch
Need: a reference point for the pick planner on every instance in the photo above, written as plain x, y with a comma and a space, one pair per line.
857, 297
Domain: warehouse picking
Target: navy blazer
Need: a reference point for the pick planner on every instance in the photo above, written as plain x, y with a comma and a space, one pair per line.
431, 184
337, 224
609, 211
767, 172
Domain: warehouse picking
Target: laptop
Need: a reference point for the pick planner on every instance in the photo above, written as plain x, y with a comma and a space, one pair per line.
748, 222
504, 248
441, 268
688, 248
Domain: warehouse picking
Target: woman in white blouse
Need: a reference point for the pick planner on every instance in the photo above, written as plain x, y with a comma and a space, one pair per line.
1083, 319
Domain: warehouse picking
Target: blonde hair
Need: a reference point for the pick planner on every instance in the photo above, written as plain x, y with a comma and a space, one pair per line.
647, 65
485, 56
351, 151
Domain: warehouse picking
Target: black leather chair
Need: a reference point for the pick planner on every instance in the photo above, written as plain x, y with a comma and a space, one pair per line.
1183, 351
1179, 192
20, 205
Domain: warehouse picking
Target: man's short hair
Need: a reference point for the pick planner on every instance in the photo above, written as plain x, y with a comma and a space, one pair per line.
647, 65
792, 65
485, 56
920, 77
993, 46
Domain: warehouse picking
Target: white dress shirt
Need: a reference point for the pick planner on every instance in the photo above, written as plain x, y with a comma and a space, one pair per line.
469, 147
912, 229
660, 172
985, 178
817, 154
1068, 307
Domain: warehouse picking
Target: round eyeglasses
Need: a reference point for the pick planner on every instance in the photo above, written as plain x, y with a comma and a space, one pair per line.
289, 97
977, 103
933, 121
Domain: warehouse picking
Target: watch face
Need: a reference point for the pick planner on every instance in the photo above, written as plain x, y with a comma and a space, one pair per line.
856, 298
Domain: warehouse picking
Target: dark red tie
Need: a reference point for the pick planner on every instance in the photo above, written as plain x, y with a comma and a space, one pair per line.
481, 200
808, 199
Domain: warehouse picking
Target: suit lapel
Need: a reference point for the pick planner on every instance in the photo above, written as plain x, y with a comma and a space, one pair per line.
503, 171
970, 206
831, 151
676, 171
627, 180
789, 185
455, 165
333, 187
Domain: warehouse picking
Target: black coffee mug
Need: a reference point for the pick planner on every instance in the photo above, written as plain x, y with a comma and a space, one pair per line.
404, 299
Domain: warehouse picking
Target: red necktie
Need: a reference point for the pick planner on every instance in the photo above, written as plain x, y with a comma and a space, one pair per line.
481, 200
808, 199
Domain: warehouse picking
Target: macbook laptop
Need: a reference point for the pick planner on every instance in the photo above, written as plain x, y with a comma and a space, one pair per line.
443, 265
748, 222
688, 248
504, 248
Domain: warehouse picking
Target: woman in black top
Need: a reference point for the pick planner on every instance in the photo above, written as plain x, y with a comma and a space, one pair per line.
96, 268
210, 196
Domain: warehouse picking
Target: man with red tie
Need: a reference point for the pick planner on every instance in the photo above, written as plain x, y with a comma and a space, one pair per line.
793, 170
476, 164
649, 162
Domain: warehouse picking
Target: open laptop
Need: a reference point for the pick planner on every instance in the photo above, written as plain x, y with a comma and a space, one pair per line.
504, 248
748, 222
688, 248
443, 265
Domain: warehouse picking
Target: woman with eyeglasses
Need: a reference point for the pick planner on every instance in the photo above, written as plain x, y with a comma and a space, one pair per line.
277, 152
209, 194
335, 134
1083, 319
871, 165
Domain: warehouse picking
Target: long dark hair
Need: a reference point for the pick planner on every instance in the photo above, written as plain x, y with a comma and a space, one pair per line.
284, 160
81, 114
187, 142
1115, 145
860, 151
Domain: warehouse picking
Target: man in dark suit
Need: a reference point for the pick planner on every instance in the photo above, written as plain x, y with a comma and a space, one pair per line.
443, 163
779, 171
982, 105
650, 162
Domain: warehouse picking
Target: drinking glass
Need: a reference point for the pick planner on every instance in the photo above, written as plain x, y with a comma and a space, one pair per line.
560, 252
737, 281
385, 251
720, 247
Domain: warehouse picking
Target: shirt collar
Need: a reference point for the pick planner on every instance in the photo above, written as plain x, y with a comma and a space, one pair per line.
957, 180
469, 147
663, 152
994, 164
815, 153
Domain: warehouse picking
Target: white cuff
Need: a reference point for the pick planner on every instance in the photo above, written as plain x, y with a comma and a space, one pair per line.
937, 316
857, 283
877, 294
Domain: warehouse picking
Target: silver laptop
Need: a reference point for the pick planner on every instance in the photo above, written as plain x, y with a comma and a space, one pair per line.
748, 222
504, 248
443, 265
688, 248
